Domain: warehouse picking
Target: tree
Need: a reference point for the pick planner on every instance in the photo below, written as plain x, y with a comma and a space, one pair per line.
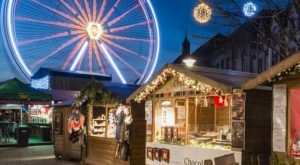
276, 26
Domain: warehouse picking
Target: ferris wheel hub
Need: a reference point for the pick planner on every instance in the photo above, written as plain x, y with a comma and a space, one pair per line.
94, 30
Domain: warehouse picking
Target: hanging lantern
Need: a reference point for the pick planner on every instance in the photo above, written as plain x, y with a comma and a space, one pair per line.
202, 13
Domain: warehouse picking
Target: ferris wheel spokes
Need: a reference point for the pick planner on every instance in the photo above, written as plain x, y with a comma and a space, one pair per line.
88, 36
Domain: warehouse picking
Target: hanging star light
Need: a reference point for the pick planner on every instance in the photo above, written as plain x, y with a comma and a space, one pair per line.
202, 13
249, 9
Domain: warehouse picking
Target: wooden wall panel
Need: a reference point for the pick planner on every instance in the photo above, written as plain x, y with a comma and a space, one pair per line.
101, 151
258, 112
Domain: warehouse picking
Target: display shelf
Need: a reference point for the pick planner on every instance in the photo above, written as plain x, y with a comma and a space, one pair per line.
99, 125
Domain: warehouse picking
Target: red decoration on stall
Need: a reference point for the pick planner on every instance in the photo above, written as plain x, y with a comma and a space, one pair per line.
295, 122
219, 101
47, 109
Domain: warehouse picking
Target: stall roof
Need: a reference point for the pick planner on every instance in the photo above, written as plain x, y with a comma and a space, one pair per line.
64, 103
271, 72
42, 72
121, 90
16, 90
62, 95
223, 79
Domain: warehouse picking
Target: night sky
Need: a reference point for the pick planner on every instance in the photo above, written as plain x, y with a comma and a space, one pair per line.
174, 17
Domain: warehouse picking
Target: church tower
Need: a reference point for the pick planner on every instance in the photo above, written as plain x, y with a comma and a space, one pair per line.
186, 47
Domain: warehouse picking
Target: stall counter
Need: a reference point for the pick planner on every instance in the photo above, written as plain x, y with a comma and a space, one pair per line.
167, 154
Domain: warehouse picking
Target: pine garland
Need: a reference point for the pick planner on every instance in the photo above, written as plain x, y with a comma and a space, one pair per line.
280, 76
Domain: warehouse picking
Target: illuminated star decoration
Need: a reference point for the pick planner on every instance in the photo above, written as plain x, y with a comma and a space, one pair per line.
202, 13
249, 9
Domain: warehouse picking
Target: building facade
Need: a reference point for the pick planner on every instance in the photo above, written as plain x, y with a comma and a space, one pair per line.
254, 46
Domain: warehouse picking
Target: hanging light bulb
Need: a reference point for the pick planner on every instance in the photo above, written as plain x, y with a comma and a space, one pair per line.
202, 12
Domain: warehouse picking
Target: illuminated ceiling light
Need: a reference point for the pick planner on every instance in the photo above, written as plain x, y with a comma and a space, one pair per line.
79, 56
202, 13
189, 62
94, 30
249, 9
111, 61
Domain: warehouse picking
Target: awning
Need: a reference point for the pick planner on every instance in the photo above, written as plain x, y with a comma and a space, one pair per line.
14, 89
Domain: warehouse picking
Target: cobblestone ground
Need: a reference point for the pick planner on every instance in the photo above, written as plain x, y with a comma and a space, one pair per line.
33, 155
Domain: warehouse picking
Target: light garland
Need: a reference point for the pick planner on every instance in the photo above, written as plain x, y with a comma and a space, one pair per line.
202, 13
42, 83
185, 80
287, 72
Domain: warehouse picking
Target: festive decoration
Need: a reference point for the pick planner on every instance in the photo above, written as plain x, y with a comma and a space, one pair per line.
42, 83
226, 101
111, 126
181, 78
75, 126
219, 101
249, 9
202, 13
287, 72
95, 93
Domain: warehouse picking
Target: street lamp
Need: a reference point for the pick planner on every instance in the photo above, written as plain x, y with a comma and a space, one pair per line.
189, 61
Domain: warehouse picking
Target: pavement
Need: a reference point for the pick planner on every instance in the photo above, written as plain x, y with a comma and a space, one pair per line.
32, 155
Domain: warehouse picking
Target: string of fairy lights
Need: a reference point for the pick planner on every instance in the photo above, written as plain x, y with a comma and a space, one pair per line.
187, 81
203, 12
285, 73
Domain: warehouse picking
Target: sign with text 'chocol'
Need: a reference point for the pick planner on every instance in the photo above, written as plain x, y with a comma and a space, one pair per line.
165, 154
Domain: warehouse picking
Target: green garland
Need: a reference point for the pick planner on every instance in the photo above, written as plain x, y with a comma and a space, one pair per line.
280, 76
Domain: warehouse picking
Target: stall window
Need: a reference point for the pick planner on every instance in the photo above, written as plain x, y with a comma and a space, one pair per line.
170, 121
99, 121
208, 125
40, 114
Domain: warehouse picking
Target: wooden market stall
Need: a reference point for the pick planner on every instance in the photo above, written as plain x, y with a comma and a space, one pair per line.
199, 115
285, 80
63, 147
100, 102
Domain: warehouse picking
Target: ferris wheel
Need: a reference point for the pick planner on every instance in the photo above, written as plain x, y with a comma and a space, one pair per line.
109, 37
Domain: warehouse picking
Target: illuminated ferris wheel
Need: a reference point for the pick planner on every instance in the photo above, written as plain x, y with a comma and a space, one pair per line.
110, 37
